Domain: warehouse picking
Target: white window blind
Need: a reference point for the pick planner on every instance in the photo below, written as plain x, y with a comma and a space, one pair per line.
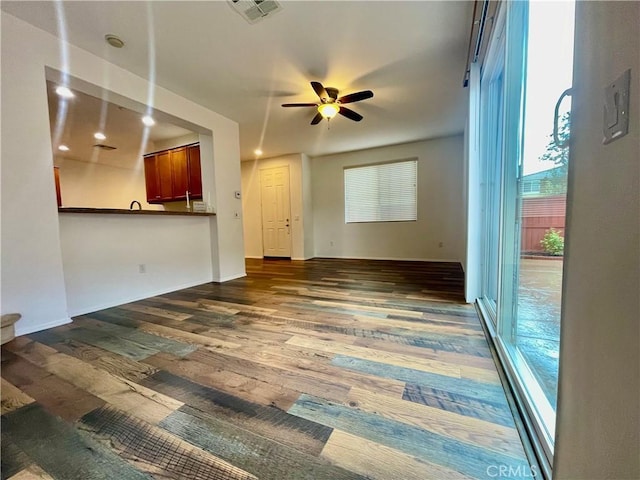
381, 193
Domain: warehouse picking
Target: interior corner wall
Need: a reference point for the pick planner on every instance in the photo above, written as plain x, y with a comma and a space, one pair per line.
440, 205
91, 184
252, 206
307, 207
473, 189
32, 265
598, 419
175, 142
251, 209
32, 275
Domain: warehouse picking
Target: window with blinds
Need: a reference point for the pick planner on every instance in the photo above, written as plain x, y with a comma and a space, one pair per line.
381, 193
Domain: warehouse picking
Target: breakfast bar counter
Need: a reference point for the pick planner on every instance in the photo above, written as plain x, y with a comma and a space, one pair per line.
114, 256
119, 211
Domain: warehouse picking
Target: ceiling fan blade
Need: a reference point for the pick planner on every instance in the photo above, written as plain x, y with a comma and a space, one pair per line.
350, 114
320, 91
317, 119
299, 104
356, 97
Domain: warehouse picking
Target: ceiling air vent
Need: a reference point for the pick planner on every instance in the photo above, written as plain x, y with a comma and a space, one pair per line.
255, 10
102, 146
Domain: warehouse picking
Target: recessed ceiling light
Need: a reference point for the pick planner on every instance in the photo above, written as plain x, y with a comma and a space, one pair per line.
64, 92
148, 121
114, 40
257, 151
99, 136
63, 148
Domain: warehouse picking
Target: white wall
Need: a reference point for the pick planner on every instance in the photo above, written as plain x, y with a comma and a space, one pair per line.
252, 209
102, 254
598, 424
440, 206
174, 142
32, 280
307, 207
32, 268
92, 184
473, 192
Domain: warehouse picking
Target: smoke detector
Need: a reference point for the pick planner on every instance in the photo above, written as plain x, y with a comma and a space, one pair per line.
114, 40
255, 10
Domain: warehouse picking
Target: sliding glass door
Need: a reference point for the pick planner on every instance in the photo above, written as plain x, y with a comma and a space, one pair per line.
527, 71
492, 101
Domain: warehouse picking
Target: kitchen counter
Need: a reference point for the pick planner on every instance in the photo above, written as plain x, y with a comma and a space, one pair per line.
122, 211
112, 256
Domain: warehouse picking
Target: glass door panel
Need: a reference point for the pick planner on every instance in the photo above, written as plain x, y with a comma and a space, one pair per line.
534, 202
492, 105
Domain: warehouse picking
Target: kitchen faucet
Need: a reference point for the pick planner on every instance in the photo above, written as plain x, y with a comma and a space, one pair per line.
135, 201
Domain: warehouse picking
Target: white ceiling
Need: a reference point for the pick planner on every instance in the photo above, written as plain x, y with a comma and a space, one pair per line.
74, 122
410, 54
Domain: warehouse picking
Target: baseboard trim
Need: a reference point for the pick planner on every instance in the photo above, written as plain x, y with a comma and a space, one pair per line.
37, 328
345, 257
292, 258
231, 277
135, 298
349, 257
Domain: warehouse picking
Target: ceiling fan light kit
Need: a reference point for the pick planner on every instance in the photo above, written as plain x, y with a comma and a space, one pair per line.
330, 105
328, 110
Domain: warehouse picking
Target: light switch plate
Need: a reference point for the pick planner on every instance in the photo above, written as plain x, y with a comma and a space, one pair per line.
616, 108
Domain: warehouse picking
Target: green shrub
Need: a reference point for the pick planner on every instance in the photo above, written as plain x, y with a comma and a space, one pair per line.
553, 242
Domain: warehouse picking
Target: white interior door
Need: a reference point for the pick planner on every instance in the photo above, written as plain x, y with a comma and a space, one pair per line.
276, 212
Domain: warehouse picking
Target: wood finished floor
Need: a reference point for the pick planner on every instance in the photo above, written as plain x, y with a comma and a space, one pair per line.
324, 369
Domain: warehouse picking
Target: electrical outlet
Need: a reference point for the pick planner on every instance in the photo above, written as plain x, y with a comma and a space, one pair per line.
142, 268
441, 245
331, 243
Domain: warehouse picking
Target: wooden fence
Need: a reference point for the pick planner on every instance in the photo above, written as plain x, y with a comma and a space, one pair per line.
539, 215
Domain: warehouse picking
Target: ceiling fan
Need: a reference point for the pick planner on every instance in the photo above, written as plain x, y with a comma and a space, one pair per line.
330, 105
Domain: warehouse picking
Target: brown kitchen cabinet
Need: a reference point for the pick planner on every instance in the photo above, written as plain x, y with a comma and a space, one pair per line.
195, 176
56, 178
151, 179
169, 174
